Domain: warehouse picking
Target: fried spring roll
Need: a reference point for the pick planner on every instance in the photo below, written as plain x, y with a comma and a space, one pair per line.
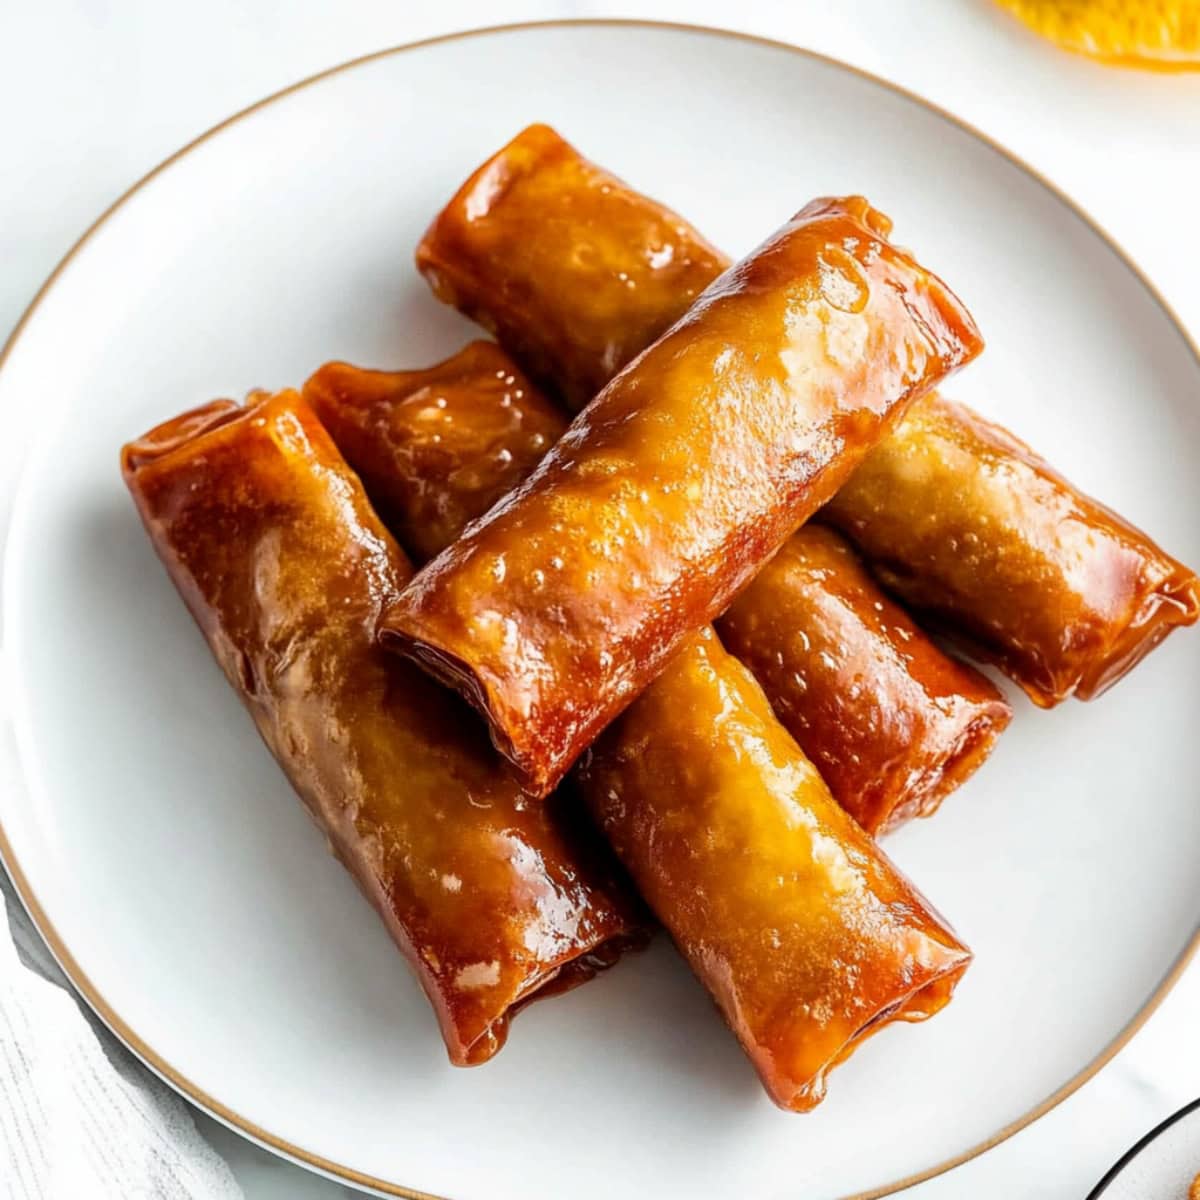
285, 567
837, 971
806, 935
972, 529
1056, 590
437, 448
891, 722
679, 481
520, 216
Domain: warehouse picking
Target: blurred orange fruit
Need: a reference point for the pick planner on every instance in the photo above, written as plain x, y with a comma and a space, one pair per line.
1161, 34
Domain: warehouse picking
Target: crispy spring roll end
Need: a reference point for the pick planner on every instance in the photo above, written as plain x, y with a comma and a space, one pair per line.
555, 982
436, 448
1173, 604
516, 221
965, 757
978, 534
892, 722
921, 1004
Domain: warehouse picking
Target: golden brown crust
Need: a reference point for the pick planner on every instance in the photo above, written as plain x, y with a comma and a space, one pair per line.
518, 217
269, 538
808, 938
674, 720
984, 538
436, 448
612, 269
891, 722
678, 481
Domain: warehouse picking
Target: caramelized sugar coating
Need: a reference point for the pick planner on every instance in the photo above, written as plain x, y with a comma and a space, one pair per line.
892, 723
437, 448
268, 535
623, 269
977, 533
518, 219
806, 935
678, 482
702, 711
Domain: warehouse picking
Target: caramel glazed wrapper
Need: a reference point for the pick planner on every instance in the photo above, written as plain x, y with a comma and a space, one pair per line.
969, 527
892, 723
679, 481
727, 827
493, 898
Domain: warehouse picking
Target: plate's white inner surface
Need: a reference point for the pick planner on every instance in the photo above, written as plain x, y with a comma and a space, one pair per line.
170, 853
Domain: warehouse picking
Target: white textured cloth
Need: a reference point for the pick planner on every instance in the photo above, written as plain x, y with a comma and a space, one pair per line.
80, 1118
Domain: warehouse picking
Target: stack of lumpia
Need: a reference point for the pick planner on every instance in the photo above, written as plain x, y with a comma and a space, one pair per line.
702, 706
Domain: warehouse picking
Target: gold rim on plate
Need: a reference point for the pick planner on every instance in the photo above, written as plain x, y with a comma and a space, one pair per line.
338, 1171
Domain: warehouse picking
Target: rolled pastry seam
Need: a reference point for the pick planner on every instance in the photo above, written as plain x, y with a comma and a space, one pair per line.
269, 537
892, 723
678, 482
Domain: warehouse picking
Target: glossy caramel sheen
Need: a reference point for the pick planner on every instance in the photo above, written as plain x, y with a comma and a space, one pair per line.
970, 527
679, 480
519, 217
1093, 612
892, 723
271, 541
436, 448
701, 709
807, 936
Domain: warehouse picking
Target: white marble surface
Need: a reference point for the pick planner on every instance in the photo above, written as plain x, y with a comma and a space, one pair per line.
95, 92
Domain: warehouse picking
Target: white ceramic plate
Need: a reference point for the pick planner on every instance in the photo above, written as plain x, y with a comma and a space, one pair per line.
1162, 1166
165, 856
